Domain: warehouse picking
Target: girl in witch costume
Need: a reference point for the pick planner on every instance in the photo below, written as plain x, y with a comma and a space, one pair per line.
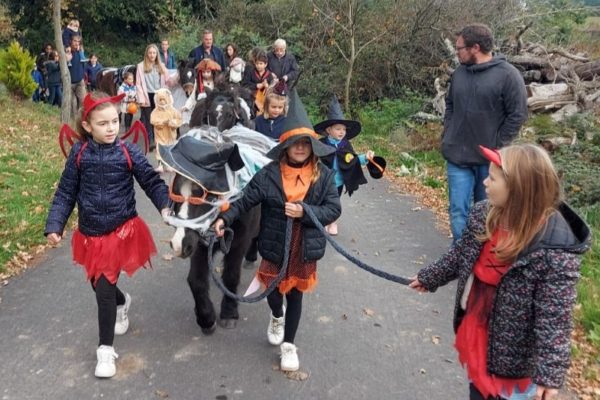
517, 265
99, 177
344, 161
295, 175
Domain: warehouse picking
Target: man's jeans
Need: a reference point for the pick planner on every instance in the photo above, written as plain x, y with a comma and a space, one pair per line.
78, 94
465, 186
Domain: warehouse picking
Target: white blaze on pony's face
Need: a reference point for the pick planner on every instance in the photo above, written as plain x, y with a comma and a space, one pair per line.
219, 113
177, 240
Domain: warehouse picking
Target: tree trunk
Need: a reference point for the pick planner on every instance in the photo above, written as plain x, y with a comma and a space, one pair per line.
65, 114
352, 57
588, 70
349, 77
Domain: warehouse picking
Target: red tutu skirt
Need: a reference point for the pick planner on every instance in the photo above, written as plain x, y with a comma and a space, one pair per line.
127, 248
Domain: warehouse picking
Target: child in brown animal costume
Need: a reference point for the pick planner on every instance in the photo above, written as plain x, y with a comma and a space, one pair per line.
165, 119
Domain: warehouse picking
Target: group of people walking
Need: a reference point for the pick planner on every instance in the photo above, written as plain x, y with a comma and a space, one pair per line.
516, 244
83, 70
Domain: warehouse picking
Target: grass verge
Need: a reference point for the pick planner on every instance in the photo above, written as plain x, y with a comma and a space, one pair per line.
30, 165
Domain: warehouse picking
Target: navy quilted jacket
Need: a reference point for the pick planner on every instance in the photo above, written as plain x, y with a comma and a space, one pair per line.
102, 186
266, 188
531, 320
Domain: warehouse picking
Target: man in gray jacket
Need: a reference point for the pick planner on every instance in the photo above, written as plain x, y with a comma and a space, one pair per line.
486, 105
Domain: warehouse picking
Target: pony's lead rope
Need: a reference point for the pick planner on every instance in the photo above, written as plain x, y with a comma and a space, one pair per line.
350, 257
288, 235
270, 288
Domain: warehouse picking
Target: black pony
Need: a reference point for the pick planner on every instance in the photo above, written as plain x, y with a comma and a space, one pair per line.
223, 108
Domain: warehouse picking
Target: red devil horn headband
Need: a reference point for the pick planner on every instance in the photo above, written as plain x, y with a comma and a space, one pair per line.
491, 155
89, 103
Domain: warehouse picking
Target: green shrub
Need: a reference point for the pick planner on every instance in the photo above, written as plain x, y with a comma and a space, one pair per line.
588, 291
16, 65
544, 125
584, 124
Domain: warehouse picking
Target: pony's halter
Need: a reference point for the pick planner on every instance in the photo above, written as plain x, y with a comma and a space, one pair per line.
202, 223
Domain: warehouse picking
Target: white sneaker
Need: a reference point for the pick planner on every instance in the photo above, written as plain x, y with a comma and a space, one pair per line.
122, 322
106, 368
276, 329
289, 357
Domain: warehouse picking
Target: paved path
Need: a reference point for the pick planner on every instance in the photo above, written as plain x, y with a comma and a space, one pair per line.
360, 336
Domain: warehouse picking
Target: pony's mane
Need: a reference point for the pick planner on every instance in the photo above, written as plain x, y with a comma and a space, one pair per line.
234, 94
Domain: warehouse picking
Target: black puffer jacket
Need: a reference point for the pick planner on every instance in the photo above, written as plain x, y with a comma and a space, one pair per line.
102, 187
266, 188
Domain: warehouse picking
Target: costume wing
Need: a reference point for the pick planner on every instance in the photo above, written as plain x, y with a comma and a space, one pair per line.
67, 137
138, 135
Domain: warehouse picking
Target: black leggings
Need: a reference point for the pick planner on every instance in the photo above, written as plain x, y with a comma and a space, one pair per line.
292, 313
108, 297
145, 118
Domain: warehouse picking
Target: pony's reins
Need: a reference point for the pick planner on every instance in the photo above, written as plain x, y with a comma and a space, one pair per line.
288, 235
213, 272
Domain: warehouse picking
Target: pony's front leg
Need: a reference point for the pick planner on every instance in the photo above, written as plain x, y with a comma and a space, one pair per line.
198, 281
231, 278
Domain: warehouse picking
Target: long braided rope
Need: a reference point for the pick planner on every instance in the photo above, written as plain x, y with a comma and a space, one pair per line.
217, 280
288, 235
350, 257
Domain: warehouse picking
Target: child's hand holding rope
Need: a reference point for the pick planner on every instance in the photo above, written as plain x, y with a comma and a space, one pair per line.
294, 210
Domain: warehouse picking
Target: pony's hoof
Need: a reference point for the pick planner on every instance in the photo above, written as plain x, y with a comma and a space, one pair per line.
228, 323
210, 330
247, 264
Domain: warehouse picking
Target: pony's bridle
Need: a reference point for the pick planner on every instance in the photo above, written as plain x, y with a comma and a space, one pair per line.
198, 200
202, 223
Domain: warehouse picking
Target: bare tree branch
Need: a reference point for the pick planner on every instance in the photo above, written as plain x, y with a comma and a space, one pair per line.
329, 17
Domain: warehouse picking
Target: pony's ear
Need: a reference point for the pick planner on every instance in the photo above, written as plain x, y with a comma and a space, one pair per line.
235, 159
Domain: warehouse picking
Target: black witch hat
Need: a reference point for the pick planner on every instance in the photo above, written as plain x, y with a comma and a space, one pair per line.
335, 115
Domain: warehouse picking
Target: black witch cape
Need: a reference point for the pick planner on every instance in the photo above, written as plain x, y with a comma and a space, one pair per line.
348, 163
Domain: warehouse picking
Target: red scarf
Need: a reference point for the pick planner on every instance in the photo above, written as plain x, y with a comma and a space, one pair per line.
264, 76
472, 334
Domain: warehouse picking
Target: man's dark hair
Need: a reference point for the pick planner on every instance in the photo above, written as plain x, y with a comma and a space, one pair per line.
478, 34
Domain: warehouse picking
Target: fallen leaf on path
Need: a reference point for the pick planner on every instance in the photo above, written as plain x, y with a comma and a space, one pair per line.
297, 375
435, 339
167, 257
368, 312
161, 393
